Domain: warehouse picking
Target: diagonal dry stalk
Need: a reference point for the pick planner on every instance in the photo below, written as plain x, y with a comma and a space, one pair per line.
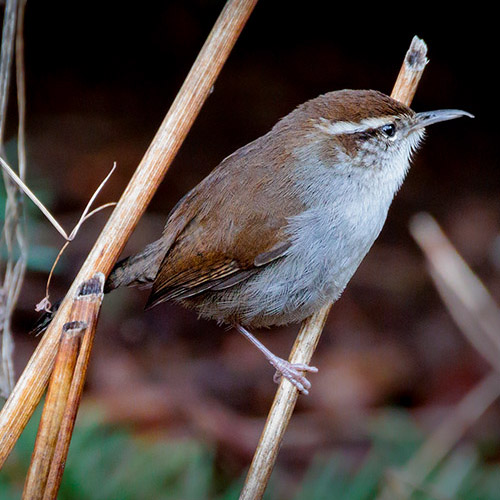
478, 317
149, 174
467, 299
438, 444
310, 332
63, 395
91, 296
50, 422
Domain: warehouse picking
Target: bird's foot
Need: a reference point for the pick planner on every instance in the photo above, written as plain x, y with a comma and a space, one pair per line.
293, 372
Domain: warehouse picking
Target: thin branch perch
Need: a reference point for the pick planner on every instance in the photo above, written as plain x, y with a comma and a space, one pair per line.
310, 332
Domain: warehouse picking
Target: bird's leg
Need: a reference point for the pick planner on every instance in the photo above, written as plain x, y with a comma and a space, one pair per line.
291, 371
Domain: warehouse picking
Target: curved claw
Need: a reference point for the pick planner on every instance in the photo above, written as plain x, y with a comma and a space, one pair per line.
293, 372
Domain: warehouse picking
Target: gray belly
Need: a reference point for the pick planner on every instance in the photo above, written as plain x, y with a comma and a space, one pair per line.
286, 291
268, 298
325, 253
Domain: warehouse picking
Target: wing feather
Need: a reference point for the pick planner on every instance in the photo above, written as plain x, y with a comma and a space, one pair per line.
235, 227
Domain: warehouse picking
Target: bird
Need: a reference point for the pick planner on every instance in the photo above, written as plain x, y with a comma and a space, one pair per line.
276, 231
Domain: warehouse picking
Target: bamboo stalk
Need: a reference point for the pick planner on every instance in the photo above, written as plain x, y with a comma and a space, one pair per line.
90, 299
286, 396
59, 403
150, 172
53, 412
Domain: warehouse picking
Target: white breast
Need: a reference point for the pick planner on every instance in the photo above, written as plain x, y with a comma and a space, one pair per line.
329, 241
344, 216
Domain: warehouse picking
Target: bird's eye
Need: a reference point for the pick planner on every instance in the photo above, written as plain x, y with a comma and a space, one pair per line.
389, 130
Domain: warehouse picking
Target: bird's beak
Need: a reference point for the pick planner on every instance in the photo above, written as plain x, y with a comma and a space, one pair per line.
429, 117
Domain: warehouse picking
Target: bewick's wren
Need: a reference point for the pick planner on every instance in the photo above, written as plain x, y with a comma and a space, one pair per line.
276, 231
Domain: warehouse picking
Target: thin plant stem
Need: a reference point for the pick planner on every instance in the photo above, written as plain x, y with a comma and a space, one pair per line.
44, 304
13, 232
32, 196
88, 313
85, 215
21, 91
286, 396
281, 411
63, 396
8, 42
469, 302
52, 415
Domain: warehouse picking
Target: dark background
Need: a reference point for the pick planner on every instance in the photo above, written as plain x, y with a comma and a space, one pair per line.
100, 78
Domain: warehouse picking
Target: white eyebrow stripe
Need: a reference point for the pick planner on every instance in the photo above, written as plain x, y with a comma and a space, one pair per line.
338, 128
